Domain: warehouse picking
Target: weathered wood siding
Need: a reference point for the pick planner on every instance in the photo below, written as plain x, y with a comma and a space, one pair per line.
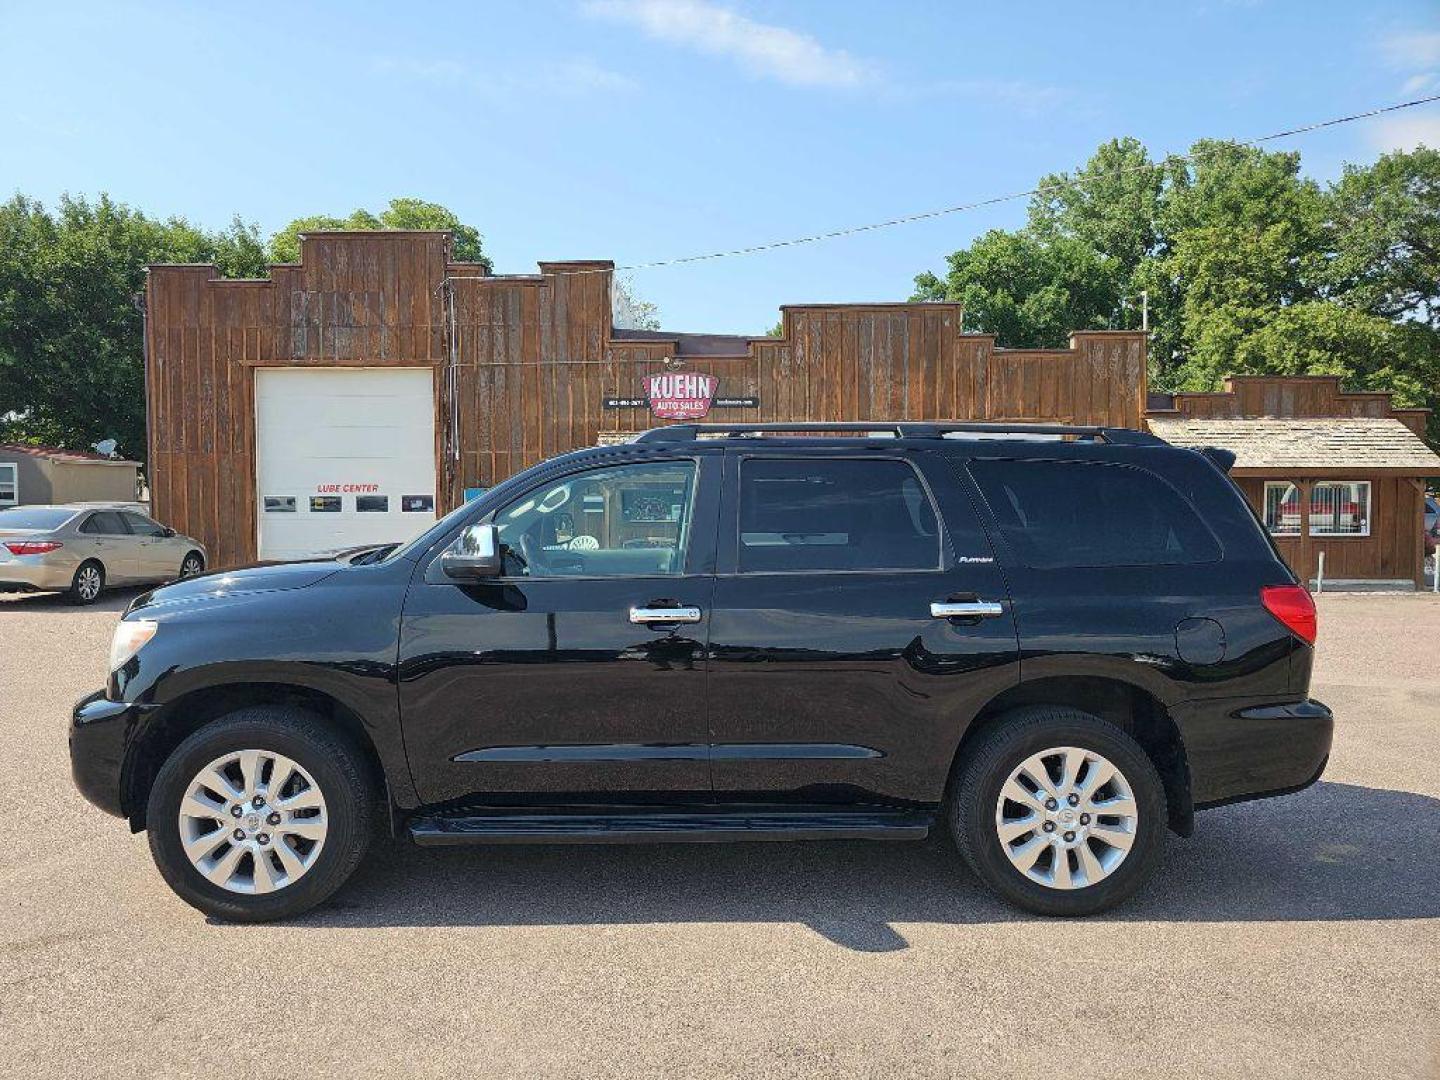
1393, 551
525, 362
1301, 395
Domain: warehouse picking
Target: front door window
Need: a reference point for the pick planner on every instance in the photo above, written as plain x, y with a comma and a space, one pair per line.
629, 521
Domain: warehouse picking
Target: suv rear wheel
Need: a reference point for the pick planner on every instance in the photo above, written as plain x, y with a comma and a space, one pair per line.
260, 815
1059, 811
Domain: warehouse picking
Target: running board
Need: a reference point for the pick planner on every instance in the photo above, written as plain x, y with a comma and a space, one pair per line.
495, 825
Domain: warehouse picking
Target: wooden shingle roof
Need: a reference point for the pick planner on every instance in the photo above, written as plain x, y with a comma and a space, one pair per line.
1356, 444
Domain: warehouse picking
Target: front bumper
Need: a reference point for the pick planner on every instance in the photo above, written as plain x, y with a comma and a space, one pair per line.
22, 573
101, 732
1254, 751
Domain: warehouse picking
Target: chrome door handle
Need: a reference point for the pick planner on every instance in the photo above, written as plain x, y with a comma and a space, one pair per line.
645, 615
966, 609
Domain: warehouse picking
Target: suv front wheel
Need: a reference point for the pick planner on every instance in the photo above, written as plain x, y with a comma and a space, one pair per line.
1058, 811
260, 815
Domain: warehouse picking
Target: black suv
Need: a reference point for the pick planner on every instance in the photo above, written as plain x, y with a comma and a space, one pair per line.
1054, 641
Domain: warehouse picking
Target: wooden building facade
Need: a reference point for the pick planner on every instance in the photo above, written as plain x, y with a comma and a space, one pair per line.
524, 367
501, 372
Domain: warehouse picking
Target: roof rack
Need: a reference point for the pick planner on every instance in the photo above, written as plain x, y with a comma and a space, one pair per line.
903, 429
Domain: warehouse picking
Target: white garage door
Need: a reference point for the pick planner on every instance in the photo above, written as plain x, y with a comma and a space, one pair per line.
344, 456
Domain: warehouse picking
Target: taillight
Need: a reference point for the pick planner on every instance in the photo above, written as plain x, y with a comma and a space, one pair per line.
1293, 606
32, 547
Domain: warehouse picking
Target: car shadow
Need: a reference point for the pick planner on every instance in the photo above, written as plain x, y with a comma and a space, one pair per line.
1333, 852
110, 600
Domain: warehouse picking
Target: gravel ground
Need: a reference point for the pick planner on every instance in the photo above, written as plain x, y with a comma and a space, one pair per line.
1294, 937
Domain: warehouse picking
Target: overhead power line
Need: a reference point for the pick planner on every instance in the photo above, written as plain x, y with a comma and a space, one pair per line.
852, 230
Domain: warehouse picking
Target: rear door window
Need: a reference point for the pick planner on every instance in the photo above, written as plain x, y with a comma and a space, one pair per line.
104, 523
1085, 513
799, 514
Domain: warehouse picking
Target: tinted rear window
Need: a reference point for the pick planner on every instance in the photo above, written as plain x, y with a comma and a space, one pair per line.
29, 517
1081, 513
104, 523
842, 514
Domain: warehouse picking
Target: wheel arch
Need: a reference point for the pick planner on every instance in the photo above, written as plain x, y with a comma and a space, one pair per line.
185, 715
1130, 707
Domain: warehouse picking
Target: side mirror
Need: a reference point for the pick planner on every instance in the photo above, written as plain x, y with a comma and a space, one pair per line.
169, 532
475, 554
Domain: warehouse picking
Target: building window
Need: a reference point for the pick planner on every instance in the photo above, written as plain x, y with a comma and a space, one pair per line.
9, 484
1282, 508
1340, 508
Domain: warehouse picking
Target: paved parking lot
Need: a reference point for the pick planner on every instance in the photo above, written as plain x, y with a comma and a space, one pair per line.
1295, 937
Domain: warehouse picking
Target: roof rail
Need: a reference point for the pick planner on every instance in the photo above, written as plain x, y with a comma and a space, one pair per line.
902, 429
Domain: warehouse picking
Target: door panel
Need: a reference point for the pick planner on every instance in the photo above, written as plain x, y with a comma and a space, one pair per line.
841, 685
153, 550
543, 688
106, 538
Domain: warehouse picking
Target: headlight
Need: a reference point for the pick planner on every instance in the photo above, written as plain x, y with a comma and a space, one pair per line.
128, 640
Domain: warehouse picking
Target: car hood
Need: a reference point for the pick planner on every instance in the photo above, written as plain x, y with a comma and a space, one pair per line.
273, 577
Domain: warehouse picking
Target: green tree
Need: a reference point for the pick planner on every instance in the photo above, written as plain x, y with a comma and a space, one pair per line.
70, 330
1111, 204
1030, 291
400, 214
1249, 267
1385, 222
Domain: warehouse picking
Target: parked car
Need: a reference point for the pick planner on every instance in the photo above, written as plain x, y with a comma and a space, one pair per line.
1054, 650
83, 548
1432, 524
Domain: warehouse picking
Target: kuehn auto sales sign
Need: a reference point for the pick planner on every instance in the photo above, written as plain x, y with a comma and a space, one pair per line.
681, 395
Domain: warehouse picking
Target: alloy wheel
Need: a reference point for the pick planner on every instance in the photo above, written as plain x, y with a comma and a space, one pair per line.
88, 582
253, 821
191, 566
1066, 817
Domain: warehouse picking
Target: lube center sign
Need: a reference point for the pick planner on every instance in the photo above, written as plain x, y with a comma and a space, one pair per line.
681, 395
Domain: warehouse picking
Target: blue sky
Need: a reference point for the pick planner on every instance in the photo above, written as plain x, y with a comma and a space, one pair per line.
641, 130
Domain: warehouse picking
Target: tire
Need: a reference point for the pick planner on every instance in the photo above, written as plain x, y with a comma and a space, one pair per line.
192, 564
320, 757
87, 584
976, 812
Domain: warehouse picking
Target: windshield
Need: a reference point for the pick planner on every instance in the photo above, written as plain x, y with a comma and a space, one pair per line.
34, 517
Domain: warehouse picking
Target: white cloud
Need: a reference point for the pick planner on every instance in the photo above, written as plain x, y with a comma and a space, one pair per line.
1419, 84
566, 78
1406, 132
1412, 49
762, 49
